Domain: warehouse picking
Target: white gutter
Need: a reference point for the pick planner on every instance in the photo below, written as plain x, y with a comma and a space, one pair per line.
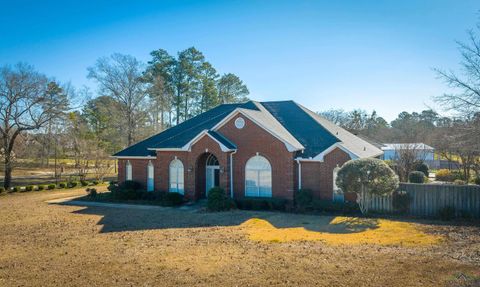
231, 173
299, 174
133, 157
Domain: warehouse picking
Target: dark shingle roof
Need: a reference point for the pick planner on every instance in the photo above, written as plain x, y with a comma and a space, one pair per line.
181, 134
294, 124
222, 139
314, 137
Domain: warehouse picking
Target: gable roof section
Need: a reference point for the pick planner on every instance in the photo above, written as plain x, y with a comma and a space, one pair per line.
312, 135
178, 136
355, 145
261, 117
223, 140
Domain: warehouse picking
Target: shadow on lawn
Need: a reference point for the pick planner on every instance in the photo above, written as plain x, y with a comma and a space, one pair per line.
131, 219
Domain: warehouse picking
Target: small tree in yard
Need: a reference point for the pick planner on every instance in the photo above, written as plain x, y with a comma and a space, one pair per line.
367, 177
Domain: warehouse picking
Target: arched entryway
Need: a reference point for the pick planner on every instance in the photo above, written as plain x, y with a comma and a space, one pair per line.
207, 175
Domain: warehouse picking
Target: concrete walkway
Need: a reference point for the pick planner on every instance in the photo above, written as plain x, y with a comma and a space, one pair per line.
71, 201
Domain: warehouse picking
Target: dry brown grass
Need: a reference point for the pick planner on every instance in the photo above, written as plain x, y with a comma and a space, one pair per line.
59, 245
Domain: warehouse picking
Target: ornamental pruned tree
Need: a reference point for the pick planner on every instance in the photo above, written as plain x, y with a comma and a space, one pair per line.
367, 177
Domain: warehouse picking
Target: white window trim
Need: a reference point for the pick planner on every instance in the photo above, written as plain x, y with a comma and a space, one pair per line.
181, 191
150, 176
128, 170
258, 177
336, 196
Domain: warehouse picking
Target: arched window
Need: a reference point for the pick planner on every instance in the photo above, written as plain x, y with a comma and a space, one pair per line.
128, 171
150, 176
212, 160
258, 177
176, 176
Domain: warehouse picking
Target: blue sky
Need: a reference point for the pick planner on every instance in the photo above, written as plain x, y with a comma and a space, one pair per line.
323, 54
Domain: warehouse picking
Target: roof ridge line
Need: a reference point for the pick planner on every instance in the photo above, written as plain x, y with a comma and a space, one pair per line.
186, 130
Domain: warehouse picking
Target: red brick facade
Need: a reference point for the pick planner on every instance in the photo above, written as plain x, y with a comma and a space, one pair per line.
318, 176
250, 140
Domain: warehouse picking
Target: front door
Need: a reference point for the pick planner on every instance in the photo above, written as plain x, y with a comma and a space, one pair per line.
212, 177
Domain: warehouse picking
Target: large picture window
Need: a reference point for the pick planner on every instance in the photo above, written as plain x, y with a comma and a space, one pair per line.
258, 177
176, 176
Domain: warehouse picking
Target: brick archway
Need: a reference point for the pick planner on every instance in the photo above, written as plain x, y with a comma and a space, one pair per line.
201, 173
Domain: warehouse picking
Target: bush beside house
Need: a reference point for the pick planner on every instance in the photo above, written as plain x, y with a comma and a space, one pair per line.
218, 200
416, 177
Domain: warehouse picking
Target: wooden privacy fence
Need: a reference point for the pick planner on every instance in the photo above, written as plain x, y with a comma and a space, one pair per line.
428, 199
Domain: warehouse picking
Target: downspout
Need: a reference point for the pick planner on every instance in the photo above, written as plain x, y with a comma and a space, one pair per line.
231, 173
299, 174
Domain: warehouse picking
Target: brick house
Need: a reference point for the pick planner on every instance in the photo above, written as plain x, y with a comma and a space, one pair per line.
257, 149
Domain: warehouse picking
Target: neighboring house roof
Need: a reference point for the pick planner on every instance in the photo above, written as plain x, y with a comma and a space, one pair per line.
299, 128
403, 146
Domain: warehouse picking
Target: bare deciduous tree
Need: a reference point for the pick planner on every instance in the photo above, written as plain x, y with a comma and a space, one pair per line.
120, 76
467, 100
24, 106
405, 158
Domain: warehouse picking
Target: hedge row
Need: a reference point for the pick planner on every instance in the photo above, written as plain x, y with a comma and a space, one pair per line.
51, 186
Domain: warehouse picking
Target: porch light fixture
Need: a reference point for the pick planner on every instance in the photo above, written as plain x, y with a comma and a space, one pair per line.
190, 169
222, 170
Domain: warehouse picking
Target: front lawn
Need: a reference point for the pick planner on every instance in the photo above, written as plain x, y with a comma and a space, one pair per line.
62, 245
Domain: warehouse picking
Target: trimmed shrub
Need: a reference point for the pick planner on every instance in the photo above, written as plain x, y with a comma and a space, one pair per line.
217, 200
95, 182
40, 187
129, 184
303, 200
401, 201
72, 184
421, 166
51, 186
444, 175
416, 177
261, 203
2, 189
172, 199
29, 188
446, 213
459, 182
84, 182
128, 190
92, 192
62, 185
16, 189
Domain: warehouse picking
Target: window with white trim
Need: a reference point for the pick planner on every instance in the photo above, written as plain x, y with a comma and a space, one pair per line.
337, 192
150, 182
258, 177
128, 171
176, 176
